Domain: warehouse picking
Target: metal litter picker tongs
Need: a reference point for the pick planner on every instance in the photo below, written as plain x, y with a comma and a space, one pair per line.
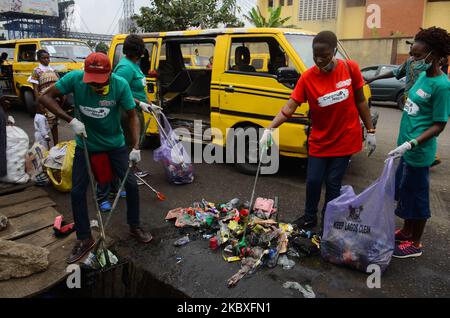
264, 148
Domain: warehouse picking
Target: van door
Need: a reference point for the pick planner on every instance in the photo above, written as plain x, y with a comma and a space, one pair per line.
25, 63
253, 95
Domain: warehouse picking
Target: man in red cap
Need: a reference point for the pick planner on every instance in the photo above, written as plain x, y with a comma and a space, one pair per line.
99, 97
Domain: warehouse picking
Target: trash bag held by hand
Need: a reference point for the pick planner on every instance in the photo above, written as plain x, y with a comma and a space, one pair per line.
359, 229
174, 157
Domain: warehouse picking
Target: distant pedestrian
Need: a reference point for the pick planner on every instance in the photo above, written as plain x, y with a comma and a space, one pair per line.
42, 78
41, 128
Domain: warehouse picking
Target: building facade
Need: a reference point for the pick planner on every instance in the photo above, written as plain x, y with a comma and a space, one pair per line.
363, 19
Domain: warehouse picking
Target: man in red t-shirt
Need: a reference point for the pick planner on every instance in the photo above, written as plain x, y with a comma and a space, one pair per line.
334, 90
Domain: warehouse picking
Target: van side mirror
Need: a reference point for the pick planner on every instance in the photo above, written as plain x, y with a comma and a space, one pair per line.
287, 75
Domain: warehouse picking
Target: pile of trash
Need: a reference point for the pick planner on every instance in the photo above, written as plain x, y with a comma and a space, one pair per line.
252, 236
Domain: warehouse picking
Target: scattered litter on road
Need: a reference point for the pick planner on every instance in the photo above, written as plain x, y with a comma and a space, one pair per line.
246, 234
285, 262
182, 241
307, 291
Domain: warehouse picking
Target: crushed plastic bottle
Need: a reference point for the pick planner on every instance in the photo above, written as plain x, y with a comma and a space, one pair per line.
272, 258
182, 241
285, 262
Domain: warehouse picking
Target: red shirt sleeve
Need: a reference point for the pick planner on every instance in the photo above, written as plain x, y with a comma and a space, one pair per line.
357, 78
299, 92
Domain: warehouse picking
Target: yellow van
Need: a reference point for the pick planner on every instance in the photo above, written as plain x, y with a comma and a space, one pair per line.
65, 54
234, 93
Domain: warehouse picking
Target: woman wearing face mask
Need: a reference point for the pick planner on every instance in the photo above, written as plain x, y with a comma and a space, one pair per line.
334, 90
424, 118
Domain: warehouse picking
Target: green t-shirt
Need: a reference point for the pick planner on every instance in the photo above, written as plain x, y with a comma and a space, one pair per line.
132, 73
428, 102
100, 114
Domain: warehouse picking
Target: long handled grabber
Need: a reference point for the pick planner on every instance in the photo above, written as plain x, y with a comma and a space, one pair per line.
159, 195
124, 180
264, 148
101, 243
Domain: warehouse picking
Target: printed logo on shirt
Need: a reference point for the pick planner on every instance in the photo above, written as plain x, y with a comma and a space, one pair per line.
107, 103
333, 98
97, 113
423, 94
411, 108
345, 83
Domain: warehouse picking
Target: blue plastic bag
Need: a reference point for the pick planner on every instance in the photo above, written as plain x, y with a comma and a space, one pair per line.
175, 159
360, 229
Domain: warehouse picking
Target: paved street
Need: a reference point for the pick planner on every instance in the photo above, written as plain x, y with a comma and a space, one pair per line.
203, 273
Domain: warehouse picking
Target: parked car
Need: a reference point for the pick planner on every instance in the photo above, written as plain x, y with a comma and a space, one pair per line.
385, 90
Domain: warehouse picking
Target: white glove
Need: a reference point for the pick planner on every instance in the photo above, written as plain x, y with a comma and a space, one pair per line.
78, 127
371, 144
148, 108
266, 139
401, 150
135, 156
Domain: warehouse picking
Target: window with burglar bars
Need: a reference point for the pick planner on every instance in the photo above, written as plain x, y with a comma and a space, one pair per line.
317, 10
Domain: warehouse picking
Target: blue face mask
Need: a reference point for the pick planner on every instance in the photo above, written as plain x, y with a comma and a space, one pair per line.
421, 65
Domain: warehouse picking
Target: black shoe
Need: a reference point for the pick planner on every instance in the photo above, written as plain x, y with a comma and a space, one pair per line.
305, 221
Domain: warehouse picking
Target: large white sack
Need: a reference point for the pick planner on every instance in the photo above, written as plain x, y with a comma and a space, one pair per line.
17, 143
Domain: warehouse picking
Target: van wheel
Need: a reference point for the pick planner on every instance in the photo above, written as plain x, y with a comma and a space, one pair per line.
30, 103
250, 166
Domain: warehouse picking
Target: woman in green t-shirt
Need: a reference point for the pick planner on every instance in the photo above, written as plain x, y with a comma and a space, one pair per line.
425, 116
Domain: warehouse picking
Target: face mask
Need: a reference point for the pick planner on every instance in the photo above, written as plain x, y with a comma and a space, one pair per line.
329, 67
103, 90
421, 65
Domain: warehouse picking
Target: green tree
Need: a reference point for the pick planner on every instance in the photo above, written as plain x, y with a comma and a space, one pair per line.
92, 44
180, 15
274, 20
102, 47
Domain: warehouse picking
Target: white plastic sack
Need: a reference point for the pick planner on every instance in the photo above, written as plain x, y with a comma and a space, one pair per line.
359, 229
55, 158
16, 148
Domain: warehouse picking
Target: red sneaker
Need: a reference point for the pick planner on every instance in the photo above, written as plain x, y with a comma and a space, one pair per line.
401, 237
407, 249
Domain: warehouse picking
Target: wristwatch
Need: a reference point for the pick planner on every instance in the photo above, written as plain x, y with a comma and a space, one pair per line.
371, 131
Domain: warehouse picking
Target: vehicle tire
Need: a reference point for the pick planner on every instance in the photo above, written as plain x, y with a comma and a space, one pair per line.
247, 167
401, 101
30, 103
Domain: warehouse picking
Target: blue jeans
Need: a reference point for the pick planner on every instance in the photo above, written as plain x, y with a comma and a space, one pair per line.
412, 192
332, 171
80, 181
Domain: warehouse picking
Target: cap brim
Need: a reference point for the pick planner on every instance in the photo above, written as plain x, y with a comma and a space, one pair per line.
96, 78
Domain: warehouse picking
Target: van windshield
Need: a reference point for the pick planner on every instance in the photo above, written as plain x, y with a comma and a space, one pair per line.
303, 46
62, 51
